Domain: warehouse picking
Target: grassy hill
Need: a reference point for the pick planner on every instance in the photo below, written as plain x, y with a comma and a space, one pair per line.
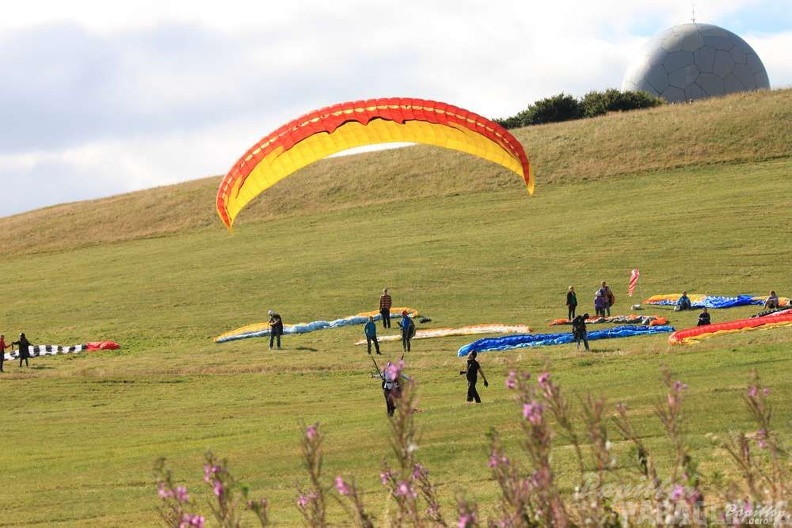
696, 196
737, 129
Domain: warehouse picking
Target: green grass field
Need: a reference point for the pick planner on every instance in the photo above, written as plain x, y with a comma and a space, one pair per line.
695, 196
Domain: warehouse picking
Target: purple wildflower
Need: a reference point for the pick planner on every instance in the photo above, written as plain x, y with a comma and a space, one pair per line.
217, 488
210, 471
163, 492
393, 370
312, 431
466, 520
511, 380
532, 411
342, 487
678, 493
181, 494
189, 519
543, 378
403, 489
761, 438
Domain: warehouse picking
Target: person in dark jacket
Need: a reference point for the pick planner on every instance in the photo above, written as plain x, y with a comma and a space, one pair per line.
370, 329
579, 332
471, 372
704, 317
23, 346
276, 328
571, 302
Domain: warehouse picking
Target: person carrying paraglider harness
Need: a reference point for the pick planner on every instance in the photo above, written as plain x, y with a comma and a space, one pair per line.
276, 328
391, 390
407, 326
391, 387
579, 332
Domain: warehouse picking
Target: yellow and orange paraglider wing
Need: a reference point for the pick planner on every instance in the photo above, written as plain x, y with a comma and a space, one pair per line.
334, 129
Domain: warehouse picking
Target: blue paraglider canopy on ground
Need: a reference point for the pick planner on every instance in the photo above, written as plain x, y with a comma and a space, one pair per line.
490, 344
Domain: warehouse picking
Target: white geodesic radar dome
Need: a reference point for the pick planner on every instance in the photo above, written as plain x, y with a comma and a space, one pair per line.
694, 61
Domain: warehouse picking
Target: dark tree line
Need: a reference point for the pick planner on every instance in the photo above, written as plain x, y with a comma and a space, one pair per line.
564, 107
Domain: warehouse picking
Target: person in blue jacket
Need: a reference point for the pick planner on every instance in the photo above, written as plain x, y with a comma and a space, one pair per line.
370, 329
407, 326
683, 303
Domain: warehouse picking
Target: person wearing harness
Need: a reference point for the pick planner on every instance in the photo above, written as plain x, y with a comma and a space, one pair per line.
390, 387
276, 329
407, 326
579, 332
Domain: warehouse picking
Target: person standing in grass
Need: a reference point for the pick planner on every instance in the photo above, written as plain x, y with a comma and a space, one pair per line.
390, 386
276, 328
385, 304
571, 302
23, 346
3, 346
600, 303
579, 332
471, 372
610, 299
370, 329
407, 326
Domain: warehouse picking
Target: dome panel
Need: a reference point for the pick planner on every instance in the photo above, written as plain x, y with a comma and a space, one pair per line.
683, 77
704, 58
710, 84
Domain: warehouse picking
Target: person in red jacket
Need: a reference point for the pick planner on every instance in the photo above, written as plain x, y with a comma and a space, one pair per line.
3, 346
384, 307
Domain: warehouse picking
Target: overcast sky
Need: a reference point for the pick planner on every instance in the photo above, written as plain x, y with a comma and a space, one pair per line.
99, 98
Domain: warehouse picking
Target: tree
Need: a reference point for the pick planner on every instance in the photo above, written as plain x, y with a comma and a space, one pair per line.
612, 100
566, 108
554, 109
